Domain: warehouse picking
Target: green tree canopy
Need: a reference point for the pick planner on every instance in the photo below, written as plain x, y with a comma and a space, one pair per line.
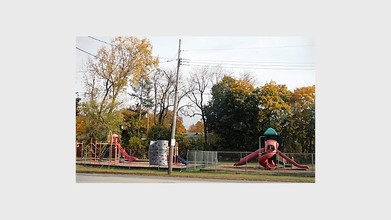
233, 114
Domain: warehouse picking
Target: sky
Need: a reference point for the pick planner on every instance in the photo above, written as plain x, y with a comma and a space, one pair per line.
285, 60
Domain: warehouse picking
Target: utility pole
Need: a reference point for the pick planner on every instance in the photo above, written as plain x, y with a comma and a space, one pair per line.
141, 102
172, 142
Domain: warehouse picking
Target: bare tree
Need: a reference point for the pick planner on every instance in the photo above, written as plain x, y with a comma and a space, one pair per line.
200, 83
163, 88
248, 77
163, 82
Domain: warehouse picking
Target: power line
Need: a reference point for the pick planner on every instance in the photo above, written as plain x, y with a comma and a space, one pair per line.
249, 64
87, 52
242, 62
101, 41
98, 58
165, 58
253, 67
249, 48
168, 61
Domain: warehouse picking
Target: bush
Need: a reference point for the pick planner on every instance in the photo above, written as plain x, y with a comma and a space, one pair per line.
137, 147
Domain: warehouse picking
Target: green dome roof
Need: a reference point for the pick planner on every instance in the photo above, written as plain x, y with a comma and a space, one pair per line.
270, 132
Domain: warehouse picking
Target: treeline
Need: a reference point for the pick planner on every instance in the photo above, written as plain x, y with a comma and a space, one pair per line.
238, 114
233, 112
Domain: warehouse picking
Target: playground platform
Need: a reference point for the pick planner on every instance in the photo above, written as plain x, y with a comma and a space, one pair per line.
138, 164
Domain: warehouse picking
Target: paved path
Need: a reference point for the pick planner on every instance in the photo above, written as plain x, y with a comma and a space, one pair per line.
115, 178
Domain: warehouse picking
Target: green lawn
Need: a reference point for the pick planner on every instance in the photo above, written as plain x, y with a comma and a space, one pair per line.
270, 177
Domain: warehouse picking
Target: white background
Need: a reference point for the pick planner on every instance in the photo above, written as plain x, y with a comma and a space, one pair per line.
352, 118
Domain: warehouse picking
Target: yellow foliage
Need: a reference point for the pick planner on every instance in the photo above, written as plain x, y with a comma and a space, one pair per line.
197, 127
80, 125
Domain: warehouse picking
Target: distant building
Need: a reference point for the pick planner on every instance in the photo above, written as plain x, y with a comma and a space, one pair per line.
193, 135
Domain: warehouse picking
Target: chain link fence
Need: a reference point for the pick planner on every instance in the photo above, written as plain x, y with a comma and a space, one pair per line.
225, 160
201, 159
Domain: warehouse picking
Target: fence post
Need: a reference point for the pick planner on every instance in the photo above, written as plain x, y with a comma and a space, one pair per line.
214, 163
245, 167
195, 159
207, 157
312, 161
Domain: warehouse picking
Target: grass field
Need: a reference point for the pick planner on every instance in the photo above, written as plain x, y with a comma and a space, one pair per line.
293, 177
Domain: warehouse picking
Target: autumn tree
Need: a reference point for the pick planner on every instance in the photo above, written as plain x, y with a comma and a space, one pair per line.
107, 79
163, 131
302, 120
275, 107
197, 127
80, 120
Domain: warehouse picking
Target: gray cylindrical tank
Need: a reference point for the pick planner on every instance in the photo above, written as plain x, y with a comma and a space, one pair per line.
158, 152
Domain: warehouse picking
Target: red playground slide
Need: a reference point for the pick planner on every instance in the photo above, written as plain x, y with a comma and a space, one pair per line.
115, 140
247, 158
266, 161
291, 161
126, 155
265, 155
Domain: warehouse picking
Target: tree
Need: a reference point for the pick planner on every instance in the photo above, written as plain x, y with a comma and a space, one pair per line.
159, 132
164, 91
80, 120
302, 121
200, 82
137, 147
80, 127
142, 92
164, 88
197, 127
233, 113
107, 78
78, 106
180, 127
275, 108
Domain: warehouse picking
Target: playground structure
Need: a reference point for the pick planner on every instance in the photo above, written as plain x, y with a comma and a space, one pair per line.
97, 151
158, 153
266, 155
114, 153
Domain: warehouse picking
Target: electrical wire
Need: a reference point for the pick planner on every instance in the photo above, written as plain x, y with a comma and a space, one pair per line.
243, 62
87, 52
249, 48
252, 67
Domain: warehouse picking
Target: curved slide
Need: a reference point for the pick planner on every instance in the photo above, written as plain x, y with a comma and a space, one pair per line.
291, 161
126, 155
265, 162
247, 158
264, 159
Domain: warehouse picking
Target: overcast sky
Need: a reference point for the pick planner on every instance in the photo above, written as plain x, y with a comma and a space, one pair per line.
285, 60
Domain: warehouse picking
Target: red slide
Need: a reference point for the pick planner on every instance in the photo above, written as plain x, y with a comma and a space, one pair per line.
291, 161
265, 161
130, 158
247, 158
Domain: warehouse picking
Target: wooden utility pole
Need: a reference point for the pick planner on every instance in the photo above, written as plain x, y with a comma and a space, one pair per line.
172, 142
